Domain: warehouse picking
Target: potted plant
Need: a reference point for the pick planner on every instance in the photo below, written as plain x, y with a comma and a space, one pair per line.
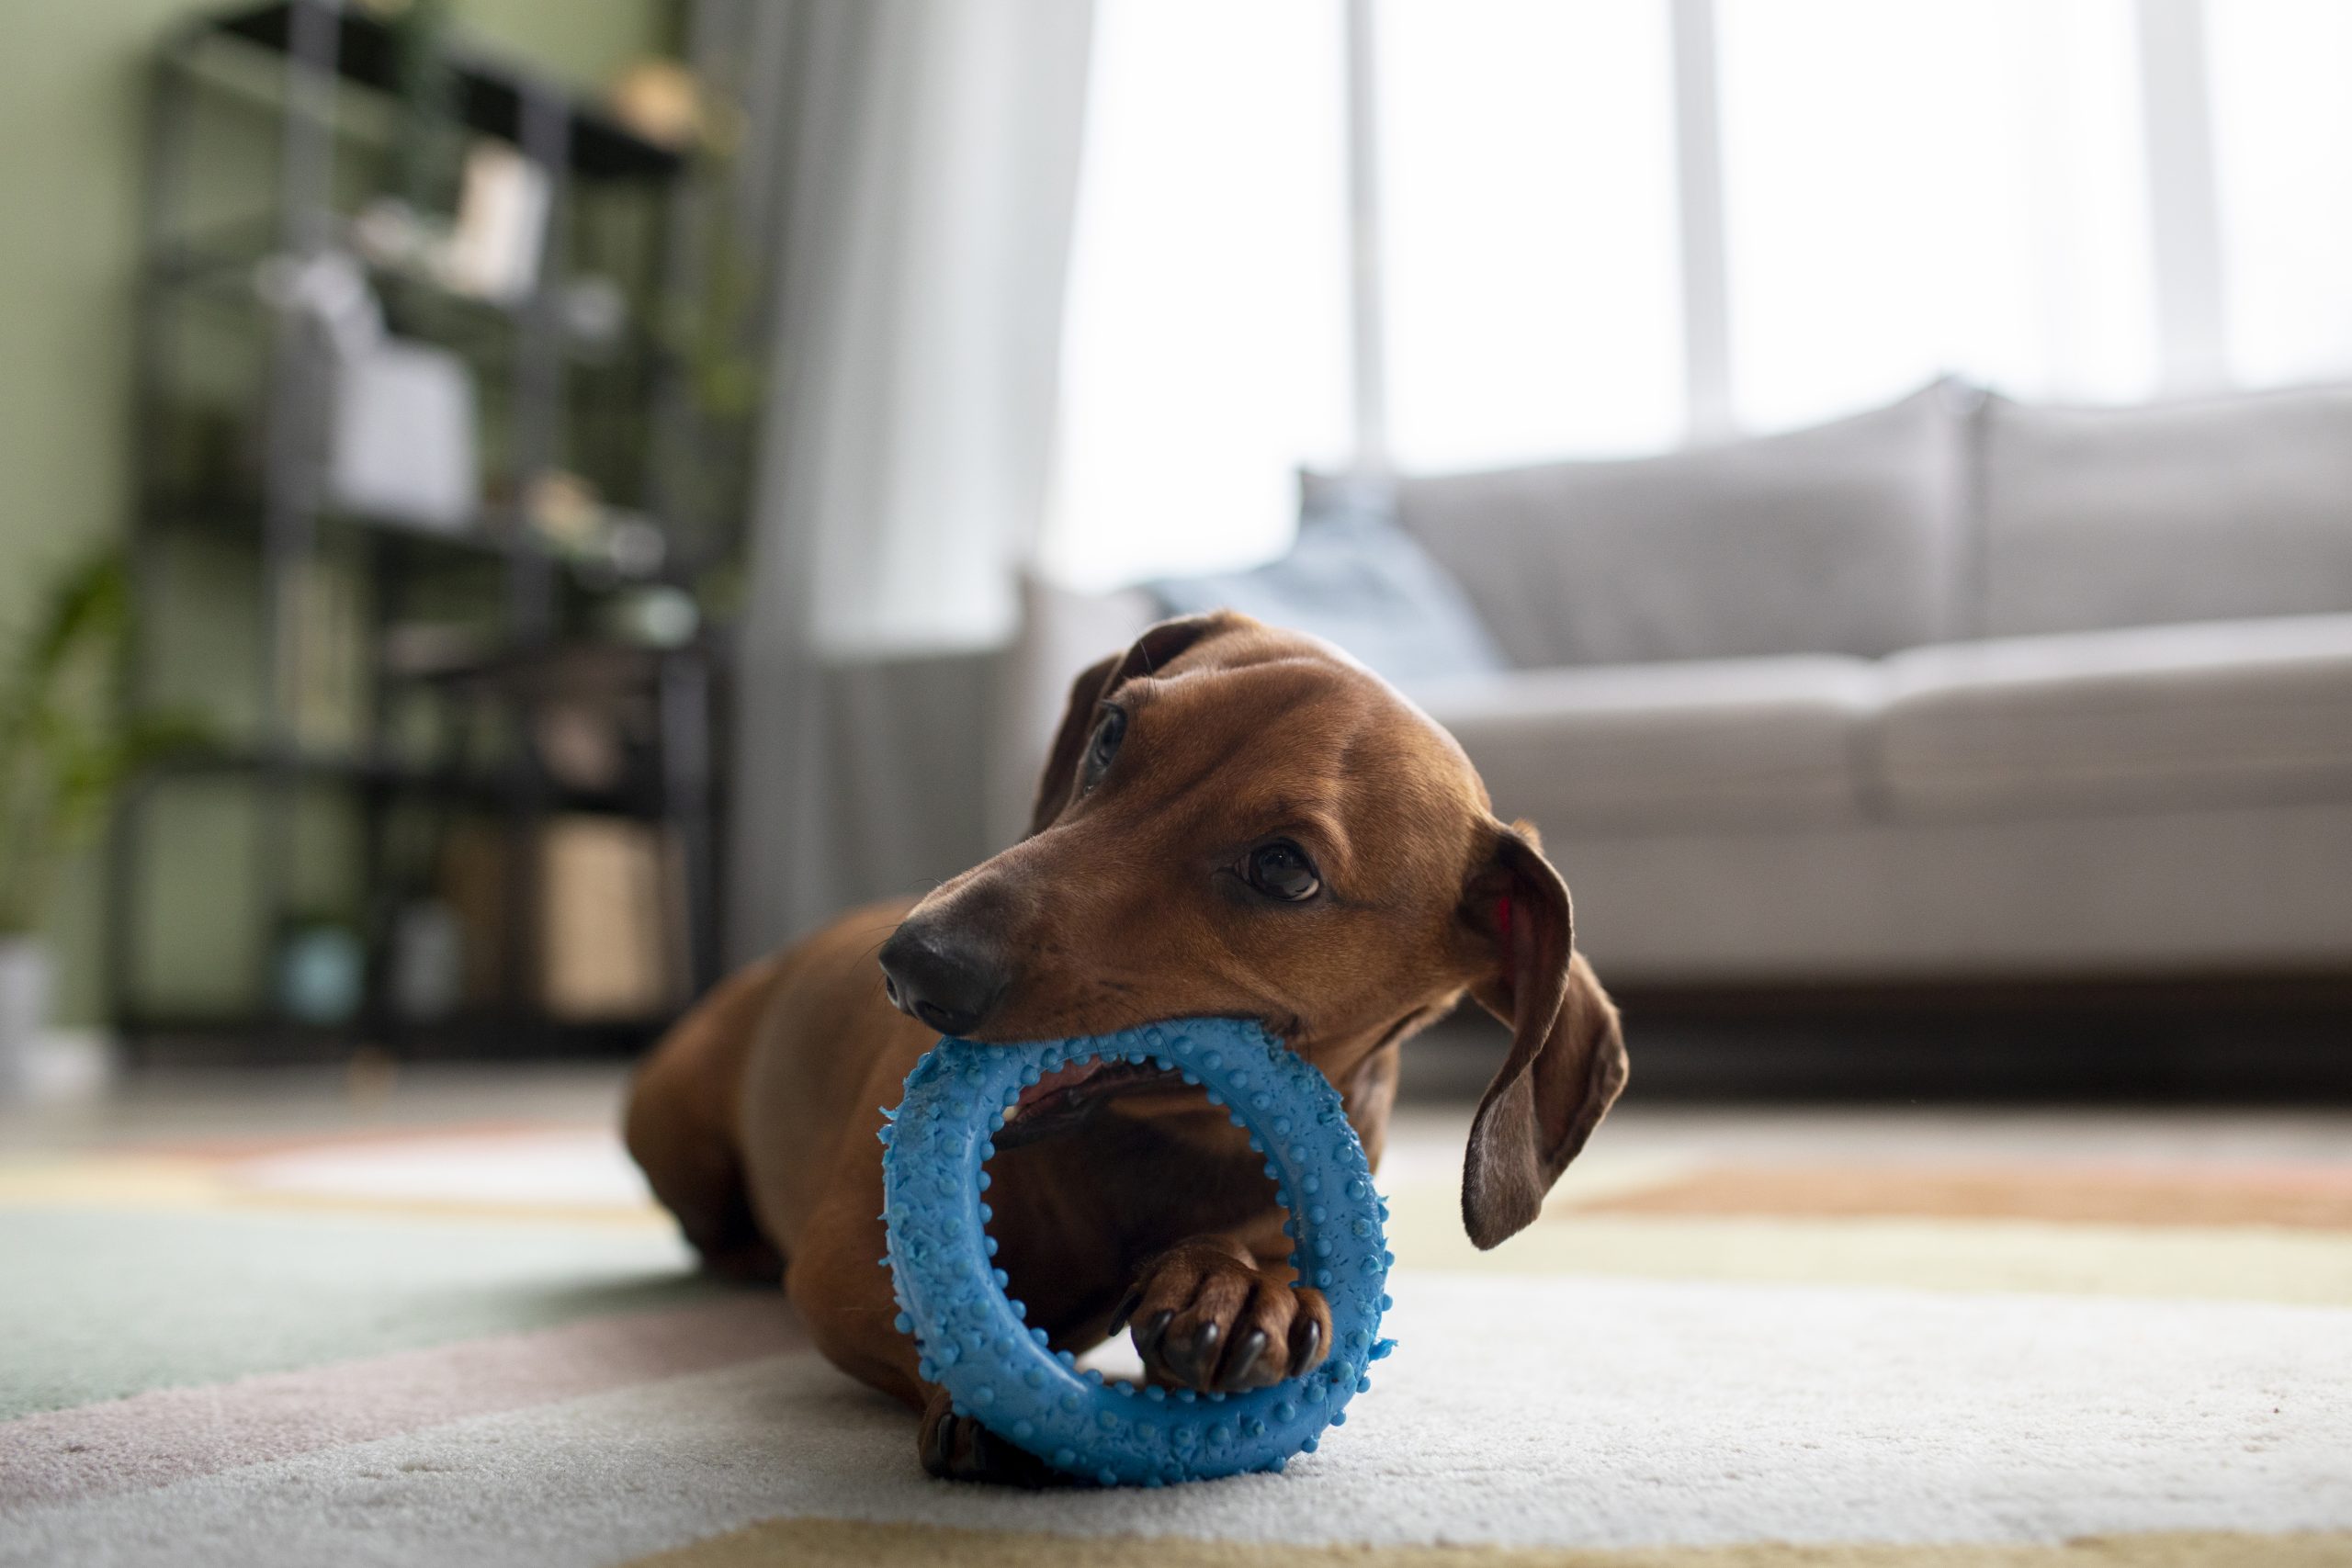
66, 745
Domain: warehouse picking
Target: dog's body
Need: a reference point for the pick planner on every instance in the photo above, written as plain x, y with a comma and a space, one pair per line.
1234, 821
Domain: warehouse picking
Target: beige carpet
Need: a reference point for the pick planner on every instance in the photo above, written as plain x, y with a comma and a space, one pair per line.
1733, 1341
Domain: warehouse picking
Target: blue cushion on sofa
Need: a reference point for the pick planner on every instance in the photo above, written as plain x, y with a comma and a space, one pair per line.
1357, 580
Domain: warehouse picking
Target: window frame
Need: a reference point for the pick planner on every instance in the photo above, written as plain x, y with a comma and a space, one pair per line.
2185, 217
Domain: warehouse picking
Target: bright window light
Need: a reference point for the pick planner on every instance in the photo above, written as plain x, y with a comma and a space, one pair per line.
1533, 270
1204, 353
2282, 132
1912, 189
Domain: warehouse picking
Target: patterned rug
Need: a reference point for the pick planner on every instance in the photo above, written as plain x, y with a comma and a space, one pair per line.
1866, 1342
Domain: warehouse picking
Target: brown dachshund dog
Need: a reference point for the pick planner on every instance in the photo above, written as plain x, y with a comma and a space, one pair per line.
1235, 820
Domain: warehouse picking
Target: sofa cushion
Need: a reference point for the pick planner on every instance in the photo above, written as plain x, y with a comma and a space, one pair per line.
2197, 510
1837, 539
2226, 711
1353, 577
1758, 739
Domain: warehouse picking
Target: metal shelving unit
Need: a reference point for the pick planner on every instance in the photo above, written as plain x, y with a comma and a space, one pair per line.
320, 56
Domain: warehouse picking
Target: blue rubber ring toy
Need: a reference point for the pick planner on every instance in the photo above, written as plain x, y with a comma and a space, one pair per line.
1000, 1370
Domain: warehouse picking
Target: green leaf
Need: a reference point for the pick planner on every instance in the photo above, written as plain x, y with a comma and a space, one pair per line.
90, 610
66, 746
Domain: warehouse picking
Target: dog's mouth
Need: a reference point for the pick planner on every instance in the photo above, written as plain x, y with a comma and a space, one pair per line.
1069, 1096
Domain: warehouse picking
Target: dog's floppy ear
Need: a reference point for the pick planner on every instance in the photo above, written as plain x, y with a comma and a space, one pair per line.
1158, 646
1077, 722
1567, 1059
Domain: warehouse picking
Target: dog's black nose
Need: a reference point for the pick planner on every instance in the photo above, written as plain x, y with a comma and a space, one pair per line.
947, 982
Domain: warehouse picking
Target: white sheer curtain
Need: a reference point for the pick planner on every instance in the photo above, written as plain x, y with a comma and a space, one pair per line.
926, 154
1532, 274
1912, 189
2282, 129
1205, 355
922, 302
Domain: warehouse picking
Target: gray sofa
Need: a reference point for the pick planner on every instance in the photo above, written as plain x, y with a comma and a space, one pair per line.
1959, 689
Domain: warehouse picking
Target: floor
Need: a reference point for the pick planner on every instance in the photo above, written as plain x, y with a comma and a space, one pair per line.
176, 1108
423, 1315
164, 1106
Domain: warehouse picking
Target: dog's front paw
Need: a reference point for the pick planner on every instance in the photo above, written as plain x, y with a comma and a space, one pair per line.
957, 1448
1205, 1317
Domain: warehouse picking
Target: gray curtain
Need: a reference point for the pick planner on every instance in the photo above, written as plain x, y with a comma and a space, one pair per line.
921, 159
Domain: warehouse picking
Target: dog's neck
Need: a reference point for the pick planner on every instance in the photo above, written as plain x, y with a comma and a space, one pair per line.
1349, 1054
1363, 1064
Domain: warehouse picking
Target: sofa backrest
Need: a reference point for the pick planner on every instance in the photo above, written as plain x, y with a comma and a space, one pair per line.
1843, 538
2211, 510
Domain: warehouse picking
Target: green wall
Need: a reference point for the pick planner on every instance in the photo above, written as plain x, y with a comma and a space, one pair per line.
73, 80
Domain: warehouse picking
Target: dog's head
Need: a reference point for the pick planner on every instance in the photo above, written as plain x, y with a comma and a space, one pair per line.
1238, 820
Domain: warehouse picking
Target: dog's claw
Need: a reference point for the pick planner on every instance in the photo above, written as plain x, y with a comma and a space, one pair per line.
1149, 1335
941, 1445
1235, 1323
957, 1448
1126, 1308
1245, 1358
1191, 1361
1309, 1341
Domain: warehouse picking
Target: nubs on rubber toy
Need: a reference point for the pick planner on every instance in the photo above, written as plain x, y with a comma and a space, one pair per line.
1001, 1372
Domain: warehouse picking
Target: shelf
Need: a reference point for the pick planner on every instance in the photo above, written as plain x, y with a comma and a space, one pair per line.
570, 666
493, 536
489, 93
475, 1033
490, 791
220, 268
224, 257
490, 536
432, 641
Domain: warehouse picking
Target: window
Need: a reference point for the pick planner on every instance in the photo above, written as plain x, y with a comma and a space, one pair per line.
1532, 270
1912, 189
2090, 201
2282, 132
1204, 353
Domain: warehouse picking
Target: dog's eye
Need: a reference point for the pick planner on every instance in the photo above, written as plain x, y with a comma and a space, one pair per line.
1281, 870
1108, 733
